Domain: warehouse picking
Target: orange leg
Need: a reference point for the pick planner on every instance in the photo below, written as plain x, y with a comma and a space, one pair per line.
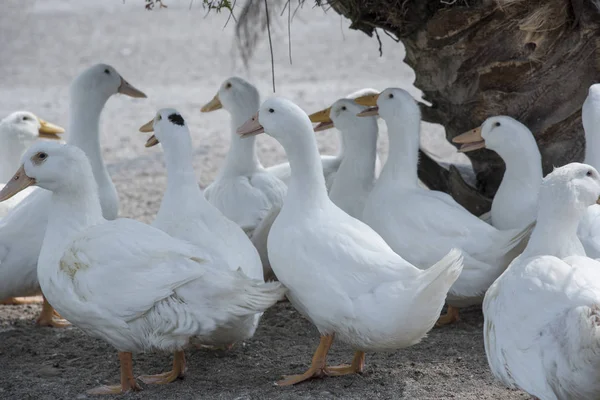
318, 366
448, 318
177, 372
357, 366
46, 317
127, 379
18, 301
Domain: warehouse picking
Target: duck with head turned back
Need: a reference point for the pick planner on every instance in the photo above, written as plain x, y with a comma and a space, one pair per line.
542, 316
125, 282
185, 214
340, 274
429, 223
22, 229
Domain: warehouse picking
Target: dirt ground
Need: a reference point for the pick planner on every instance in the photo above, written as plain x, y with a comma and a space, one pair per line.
179, 57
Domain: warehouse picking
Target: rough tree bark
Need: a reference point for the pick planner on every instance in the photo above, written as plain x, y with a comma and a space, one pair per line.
530, 59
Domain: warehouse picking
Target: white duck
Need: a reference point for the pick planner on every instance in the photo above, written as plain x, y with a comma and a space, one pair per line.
542, 316
589, 227
17, 132
360, 166
422, 225
243, 190
340, 274
515, 203
22, 229
125, 282
185, 214
330, 163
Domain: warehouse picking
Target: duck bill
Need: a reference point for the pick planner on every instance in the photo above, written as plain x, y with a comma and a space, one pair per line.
369, 100
320, 116
251, 127
323, 126
127, 89
214, 104
152, 141
48, 130
469, 141
20, 181
147, 127
369, 112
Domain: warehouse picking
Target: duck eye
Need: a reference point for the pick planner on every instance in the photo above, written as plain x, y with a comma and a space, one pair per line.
391, 95
42, 156
343, 108
228, 85
496, 124
589, 173
26, 118
271, 110
107, 71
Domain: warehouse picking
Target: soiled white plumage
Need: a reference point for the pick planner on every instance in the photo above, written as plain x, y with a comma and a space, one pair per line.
589, 227
340, 274
243, 190
17, 132
542, 316
422, 225
125, 282
185, 214
22, 229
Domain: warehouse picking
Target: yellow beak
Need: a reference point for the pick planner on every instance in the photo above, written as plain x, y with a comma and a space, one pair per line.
149, 127
471, 140
212, 105
20, 181
48, 130
369, 100
322, 118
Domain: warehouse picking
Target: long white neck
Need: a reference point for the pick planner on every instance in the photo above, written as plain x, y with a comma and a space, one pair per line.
71, 211
84, 132
403, 157
357, 168
183, 196
523, 168
11, 151
241, 158
307, 183
555, 233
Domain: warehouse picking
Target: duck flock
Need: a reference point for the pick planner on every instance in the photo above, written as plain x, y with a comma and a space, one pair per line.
364, 252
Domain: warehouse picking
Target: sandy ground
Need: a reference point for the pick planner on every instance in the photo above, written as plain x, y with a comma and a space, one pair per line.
179, 57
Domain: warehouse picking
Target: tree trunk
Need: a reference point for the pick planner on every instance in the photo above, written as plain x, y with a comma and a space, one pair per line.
530, 59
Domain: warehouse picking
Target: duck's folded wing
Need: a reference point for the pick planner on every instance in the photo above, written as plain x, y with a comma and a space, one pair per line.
125, 267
